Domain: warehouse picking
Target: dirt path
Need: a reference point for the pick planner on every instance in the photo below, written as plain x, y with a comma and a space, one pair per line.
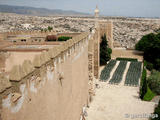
116, 102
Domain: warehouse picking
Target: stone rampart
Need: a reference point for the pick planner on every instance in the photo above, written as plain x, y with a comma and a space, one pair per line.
53, 86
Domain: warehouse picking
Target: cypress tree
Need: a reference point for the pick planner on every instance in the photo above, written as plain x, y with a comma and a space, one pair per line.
105, 52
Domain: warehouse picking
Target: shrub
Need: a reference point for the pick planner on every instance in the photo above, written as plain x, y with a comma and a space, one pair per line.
145, 63
157, 65
149, 66
64, 38
154, 82
50, 28
149, 95
157, 112
109, 51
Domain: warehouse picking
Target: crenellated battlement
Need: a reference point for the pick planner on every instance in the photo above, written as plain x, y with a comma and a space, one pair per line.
22, 74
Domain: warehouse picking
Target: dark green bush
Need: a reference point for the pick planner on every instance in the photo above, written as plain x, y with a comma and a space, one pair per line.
63, 38
154, 82
145, 63
157, 112
149, 66
150, 45
109, 51
50, 28
149, 95
127, 59
145, 42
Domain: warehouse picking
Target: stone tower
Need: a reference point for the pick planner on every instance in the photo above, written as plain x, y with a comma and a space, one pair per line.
96, 44
96, 14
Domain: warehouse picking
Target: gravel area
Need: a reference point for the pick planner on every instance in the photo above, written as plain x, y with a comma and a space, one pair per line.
116, 102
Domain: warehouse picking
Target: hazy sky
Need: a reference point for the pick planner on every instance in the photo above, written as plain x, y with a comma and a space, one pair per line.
136, 8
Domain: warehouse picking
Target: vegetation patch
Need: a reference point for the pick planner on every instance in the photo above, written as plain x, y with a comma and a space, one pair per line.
64, 38
154, 81
143, 84
118, 74
149, 95
146, 93
127, 59
157, 112
133, 74
105, 74
150, 45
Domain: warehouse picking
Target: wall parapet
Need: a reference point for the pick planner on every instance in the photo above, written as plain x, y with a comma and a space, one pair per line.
3, 35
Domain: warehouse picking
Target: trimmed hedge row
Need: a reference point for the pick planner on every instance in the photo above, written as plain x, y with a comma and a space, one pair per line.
105, 74
127, 59
133, 74
146, 93
143, 84
118, 74
64, 38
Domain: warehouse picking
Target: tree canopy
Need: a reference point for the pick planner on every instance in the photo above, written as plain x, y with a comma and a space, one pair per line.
150, 45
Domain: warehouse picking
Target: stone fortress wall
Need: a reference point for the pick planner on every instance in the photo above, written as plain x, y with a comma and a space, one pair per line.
106, 27
55, 85
55, 68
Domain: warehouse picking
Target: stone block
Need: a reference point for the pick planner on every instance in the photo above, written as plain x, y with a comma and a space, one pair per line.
16, 73
27, 66
37, 62
15, 97
4, 83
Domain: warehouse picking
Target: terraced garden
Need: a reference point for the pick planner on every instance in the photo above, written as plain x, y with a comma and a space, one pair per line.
105, 74
118, 74
133, 74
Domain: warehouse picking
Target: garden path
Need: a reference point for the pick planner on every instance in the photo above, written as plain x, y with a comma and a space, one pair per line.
116, 102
